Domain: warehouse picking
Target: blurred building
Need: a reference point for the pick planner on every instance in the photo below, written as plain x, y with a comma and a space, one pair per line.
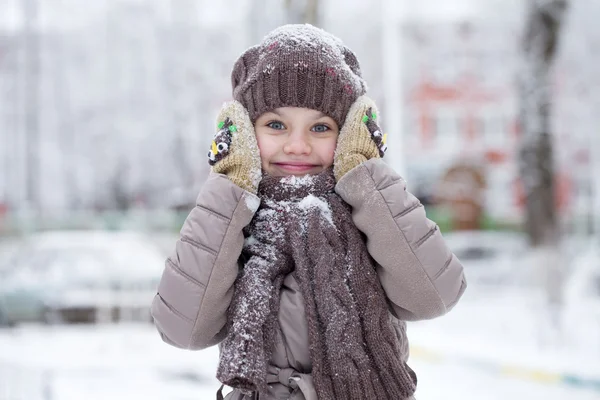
125, 97
461, 98
128, 91
461, 103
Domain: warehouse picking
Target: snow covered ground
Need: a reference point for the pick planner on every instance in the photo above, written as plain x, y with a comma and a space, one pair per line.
498, 343
504, 342
131, 362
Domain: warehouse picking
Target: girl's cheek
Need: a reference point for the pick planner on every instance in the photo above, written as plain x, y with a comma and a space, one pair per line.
331, 153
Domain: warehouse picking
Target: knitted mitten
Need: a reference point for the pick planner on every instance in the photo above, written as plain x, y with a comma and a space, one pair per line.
234, 151
360, 138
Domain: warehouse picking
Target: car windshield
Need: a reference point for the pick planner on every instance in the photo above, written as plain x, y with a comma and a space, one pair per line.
52, 266
469, 246
596, 285
475, 253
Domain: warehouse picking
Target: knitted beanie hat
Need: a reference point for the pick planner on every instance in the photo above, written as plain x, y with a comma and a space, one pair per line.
298, 66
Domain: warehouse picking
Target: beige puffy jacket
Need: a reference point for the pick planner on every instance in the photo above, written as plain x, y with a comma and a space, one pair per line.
421, 277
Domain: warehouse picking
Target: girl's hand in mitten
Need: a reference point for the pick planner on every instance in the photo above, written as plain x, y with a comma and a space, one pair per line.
234, 150
360, 138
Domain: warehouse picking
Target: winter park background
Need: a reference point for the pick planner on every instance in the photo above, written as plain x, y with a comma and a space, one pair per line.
106, 112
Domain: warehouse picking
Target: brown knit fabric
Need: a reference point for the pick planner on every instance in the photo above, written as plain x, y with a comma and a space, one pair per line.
298, 66
305, 227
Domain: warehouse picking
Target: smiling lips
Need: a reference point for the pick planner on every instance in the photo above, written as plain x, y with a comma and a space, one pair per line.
295, 166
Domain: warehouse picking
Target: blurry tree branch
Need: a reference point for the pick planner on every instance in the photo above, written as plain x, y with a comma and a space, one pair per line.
32, 43
302, 11
536, 165
540, 41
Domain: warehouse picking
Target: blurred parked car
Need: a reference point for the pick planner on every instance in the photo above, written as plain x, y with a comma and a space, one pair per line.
582, 299
80, 276
583, 283
490, 257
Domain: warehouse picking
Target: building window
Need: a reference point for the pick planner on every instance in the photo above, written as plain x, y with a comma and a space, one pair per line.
495, 129
448, 127
491, 127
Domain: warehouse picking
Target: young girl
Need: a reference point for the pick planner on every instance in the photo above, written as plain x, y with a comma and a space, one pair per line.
305, 254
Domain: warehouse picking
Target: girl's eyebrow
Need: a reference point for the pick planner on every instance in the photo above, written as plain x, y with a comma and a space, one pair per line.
320, 114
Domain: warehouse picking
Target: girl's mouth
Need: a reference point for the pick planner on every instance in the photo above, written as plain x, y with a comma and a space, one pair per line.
295, 167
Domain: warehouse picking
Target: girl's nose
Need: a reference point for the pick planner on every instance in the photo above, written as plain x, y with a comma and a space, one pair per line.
297, 143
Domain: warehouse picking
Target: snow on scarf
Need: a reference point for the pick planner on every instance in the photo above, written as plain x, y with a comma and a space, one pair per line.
304, 227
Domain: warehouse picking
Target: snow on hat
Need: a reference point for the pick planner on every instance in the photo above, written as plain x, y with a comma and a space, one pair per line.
298, 65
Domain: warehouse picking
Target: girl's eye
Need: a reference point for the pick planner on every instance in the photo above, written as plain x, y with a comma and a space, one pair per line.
276, 125
320, 128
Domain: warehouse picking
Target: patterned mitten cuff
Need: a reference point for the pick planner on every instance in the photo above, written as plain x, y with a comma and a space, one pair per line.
360, 138
234, 151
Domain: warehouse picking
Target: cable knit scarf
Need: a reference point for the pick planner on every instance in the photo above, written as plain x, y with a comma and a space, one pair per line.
304, 227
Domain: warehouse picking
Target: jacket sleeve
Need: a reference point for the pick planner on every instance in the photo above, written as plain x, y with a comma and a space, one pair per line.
420, 275
196, 287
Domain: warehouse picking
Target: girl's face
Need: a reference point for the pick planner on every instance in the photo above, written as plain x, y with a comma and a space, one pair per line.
295, 141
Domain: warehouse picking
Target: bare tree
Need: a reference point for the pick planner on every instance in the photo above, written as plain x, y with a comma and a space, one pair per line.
302, 11
31, 37
540, 42
536, 158
311, 15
